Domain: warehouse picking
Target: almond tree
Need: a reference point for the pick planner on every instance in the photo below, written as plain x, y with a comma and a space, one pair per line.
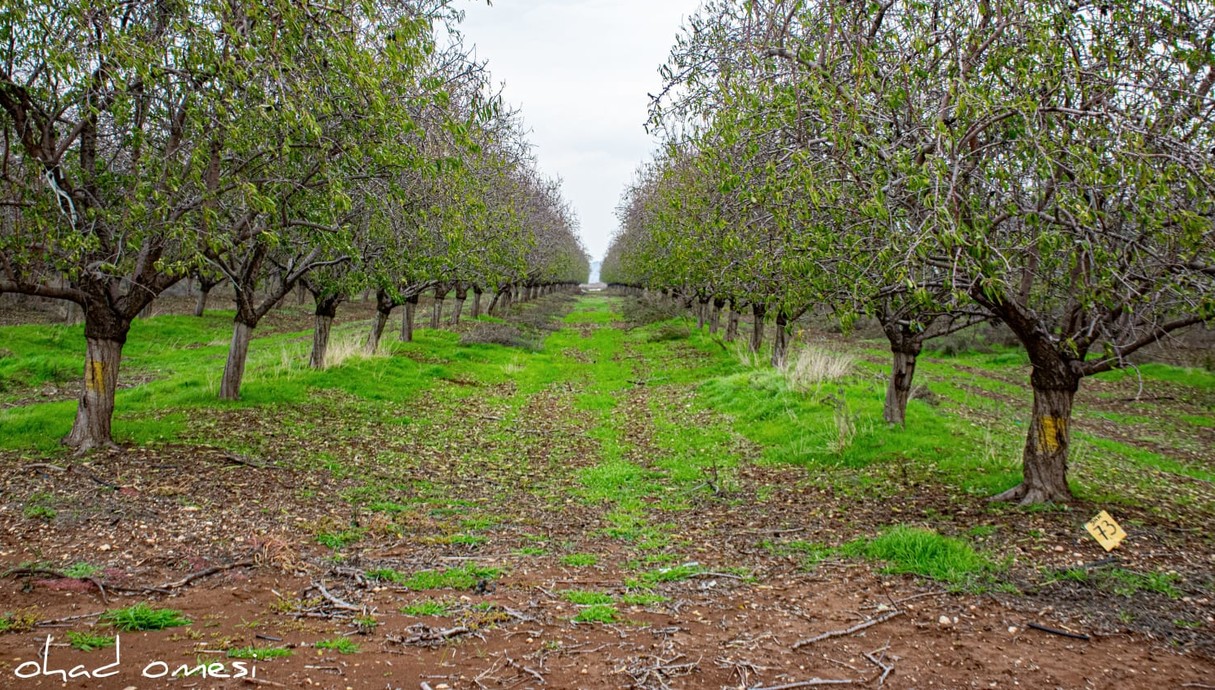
114, 116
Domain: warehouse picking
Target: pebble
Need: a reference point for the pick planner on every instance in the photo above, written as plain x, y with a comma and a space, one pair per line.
1012, 630
944, 620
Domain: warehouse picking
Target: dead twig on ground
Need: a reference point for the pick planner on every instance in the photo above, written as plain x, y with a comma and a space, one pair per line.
1056, 631
847, 631
422, 635
879, 661
339, 603
30, 573
803, 684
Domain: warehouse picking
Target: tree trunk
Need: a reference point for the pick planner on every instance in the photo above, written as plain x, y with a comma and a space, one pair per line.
715, 315
1045, 457
384, 304
95, 411
702, 311
407, 319
780, 343
461, 295
732, 323
898, 392
377, 331
238, 353
436, 315
476, 305
757, 330
200, 306
326, 309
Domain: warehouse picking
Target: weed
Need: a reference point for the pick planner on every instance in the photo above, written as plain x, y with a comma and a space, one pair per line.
585, 598
39, 511
258, 653
87, 642
810, 367
143, 617
599, 613
341, 645
530, 551
579, 560
22, 621
924, 552
81, 570
643, 599
429, 607
465, 577
1119, 581
387, 575
340, 540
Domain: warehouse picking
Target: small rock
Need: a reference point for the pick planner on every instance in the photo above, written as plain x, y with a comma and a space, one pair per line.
1012, 630
104, 547
1059, 549
944, 620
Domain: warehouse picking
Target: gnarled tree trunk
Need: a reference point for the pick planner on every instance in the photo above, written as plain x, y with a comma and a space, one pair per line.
384, 305
407, 318
715, 314
732, 323
1045, 456
436, 314
905, 347
476, 305
898, 391
234, 369
95, 411
702, 311
757, 331
780, 342
461, 295
326, 310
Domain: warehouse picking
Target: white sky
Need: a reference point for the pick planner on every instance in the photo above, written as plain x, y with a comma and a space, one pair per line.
580, 71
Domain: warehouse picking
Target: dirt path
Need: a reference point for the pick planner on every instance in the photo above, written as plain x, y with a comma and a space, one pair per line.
579, 521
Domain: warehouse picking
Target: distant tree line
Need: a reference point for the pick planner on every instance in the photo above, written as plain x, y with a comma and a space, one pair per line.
934, 163
343, 147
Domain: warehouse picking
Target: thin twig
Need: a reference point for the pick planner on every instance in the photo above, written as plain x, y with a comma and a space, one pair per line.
1056, 631
847, 631
803, 684
344, 605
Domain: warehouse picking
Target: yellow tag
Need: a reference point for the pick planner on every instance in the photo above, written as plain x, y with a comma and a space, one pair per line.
1107, 532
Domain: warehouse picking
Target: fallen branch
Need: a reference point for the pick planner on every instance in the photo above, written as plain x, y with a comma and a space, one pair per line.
67, 619
877, 661
207, 572
339, 603
425, 636
531, 672
55, 574
803, 684
1056, 631
847, 631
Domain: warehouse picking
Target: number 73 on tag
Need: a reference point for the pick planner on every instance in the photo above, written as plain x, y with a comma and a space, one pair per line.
1107, 532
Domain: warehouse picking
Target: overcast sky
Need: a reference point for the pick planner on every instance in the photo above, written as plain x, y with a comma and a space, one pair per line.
580, 71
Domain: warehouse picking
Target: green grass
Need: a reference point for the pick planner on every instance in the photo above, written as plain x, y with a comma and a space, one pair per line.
143, 617
924, 552
387, 575
585, 598
258, 653
464, 577
643, 599
1120, 581
340, 540
429, 607
579, 560
809, 553
599, 613
87, 642
341, 645
81, 570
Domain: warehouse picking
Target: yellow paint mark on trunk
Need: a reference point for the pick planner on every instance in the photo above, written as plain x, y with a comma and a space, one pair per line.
1052, 434
95, 381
